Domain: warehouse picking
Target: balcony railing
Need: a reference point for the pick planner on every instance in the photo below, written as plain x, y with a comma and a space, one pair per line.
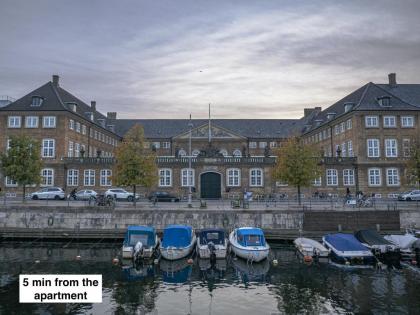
89, 160
170, 160
331, 160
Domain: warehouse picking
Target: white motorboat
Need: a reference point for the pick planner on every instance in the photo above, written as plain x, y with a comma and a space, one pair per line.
212, 244
310, 247
249, 243
406, 243
177, 242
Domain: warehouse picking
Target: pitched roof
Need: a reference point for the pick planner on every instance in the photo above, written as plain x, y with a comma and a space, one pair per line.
409, 93
55, 98
251, 128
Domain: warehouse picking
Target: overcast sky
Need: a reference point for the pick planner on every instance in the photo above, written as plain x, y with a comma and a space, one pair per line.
166, 59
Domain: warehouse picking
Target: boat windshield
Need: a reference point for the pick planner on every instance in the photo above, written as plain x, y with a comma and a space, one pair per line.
251, 240
134, 238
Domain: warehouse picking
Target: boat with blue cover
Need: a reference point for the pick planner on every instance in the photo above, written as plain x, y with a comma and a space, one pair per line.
212, 243
249, 243
346, 249
177, 242
140, 242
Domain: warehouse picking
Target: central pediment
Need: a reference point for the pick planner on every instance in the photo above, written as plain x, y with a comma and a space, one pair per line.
202, 132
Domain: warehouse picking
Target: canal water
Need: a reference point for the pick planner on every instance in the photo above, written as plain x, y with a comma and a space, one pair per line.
228, 287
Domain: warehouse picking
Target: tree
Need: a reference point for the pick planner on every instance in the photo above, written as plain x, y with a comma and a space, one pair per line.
413, 165
22, 161
135, 165
297, 164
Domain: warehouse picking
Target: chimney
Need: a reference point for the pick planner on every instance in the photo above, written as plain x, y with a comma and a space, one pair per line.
309, 111
55, 80
93, 105
111, 115
392, 78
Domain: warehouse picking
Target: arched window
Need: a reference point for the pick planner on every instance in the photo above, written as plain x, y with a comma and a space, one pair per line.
187, 177
237, 153
165, 177
233, 177
256, 178
223, 152
195, 153
182, 152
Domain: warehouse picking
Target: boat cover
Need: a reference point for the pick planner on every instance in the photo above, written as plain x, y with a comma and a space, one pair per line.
177, 236
216, 236
250, 237
371, 237
144, 234
402, 241
344, 242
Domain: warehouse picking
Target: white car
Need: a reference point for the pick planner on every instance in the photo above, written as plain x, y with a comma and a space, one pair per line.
85, 194
120, 194
410, 195
55, 193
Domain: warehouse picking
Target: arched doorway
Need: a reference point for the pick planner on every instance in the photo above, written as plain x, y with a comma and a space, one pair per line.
210, 184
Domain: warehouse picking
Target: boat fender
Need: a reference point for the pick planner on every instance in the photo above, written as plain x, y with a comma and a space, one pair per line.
78, 257
156, 261
190, 261
115, 261
414, 262
347, 263
307, 259
37, 261
275, 262
50, 220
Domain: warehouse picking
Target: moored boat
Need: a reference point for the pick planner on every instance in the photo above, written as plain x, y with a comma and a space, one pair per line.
346, 249
177, 242
310, 247
139, 242
380, 247
407, 244
212, 243
249, 243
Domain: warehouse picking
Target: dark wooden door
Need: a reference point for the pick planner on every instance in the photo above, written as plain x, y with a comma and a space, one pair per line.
211, 186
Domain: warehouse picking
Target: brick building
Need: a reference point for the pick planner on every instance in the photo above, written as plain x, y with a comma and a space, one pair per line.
364, 139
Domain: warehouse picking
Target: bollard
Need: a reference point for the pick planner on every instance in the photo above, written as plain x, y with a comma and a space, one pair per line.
339, 228
378, 227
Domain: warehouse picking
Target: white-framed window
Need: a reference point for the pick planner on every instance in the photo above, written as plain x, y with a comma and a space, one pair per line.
105, 179
156, 145
407, 121
391, 149
317, 181
70, 149
337, 129
253, 144
36, 101
343, 127
83, 129
348, 177
187, 177
392, 177
71, 124
182, 152
233, 177
166, 145
165, 177
48, 148
406, 147
195, 152
350, 148
77, 150
337, 147
237, 153
273, 144
49, 122
9, 182
14, 122
332, 177
263, 144
8, 144
47, 177
256, 177
72, 177
371, 121
343, 150
390, 122
373, 148
349, 124
77, 126
374, 177
31, 122
89, 178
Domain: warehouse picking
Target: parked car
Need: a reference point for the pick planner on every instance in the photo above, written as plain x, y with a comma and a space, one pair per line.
120, 194
55, 193
410, 195
85, 194
162, 196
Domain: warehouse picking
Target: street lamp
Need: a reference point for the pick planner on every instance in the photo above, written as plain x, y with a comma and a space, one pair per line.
189, 172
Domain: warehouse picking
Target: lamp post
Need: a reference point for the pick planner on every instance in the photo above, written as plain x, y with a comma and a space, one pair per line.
189, 172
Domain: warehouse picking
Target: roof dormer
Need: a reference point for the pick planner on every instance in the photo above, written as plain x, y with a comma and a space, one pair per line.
37, 101
72, 106
384, 101
331, 115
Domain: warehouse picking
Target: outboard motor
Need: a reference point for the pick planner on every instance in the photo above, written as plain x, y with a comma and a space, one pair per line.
138, 250
212, 250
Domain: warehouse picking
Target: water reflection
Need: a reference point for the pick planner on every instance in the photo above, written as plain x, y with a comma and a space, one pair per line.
291, 287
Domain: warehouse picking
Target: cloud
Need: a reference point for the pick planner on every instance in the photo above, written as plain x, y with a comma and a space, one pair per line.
248, 60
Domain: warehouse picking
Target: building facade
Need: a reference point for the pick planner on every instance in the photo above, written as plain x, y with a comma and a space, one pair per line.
364, 139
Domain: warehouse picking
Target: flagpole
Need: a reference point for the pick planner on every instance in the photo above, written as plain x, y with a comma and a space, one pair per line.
209, 125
